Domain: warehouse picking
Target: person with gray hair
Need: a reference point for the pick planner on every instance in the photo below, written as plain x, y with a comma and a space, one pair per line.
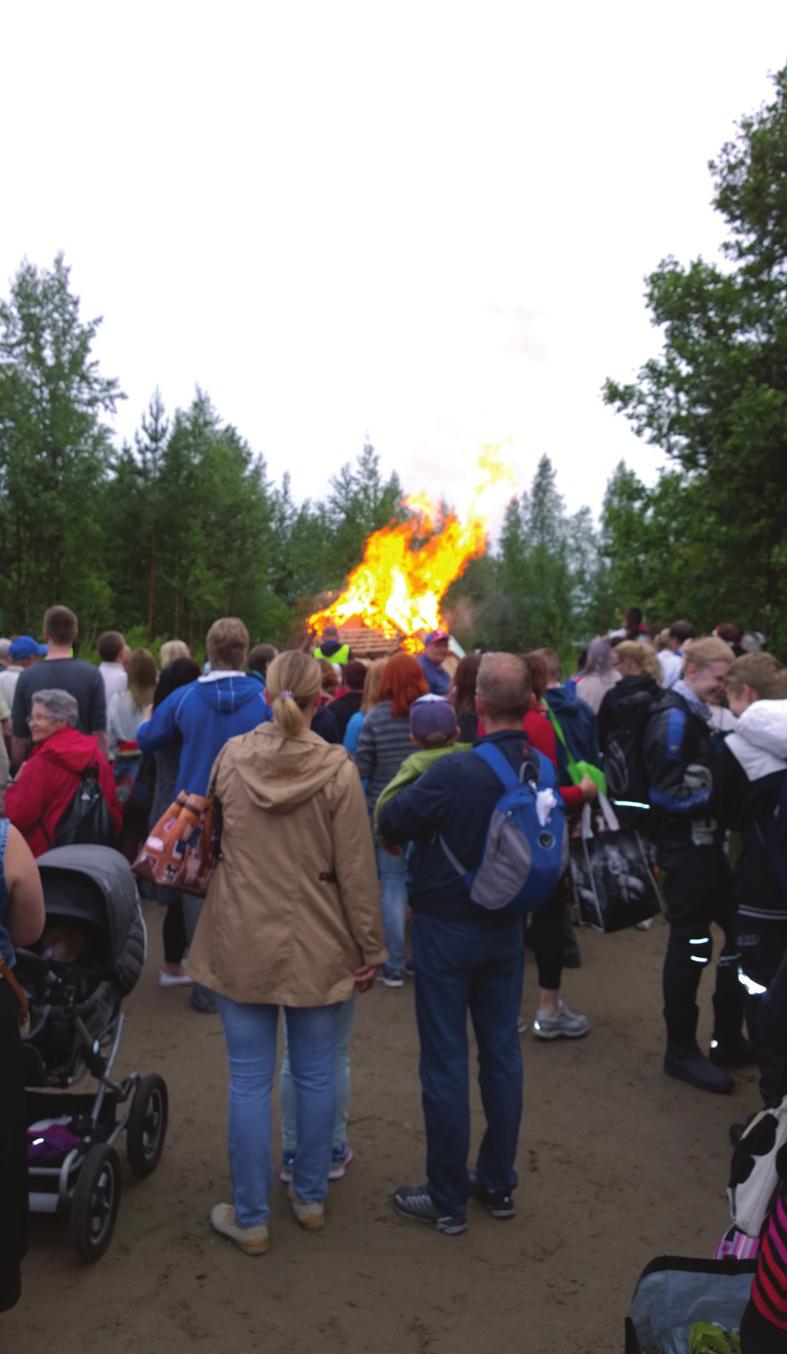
466, 958
48, 780
599, 675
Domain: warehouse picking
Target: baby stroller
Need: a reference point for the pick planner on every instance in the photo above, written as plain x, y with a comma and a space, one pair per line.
89, 957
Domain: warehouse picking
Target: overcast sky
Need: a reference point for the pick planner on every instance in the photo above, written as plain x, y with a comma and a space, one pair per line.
430, 221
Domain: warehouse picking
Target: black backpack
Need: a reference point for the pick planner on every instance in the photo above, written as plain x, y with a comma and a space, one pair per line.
87, 820
623, 724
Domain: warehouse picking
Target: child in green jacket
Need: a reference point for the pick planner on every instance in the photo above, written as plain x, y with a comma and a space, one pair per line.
434, 731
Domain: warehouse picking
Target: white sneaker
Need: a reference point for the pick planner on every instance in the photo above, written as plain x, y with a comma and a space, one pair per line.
172, 979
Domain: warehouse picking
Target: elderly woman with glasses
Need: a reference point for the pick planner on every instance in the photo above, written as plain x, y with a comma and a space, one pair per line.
46, 783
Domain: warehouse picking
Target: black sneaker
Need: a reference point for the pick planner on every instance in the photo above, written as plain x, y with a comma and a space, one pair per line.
415, 1201
497, 1203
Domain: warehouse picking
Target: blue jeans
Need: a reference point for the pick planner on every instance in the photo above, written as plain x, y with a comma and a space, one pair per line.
473, 964
250, 1033
341, 1072
393, 879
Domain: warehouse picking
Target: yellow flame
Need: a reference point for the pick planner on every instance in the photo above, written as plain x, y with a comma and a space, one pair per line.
407, 567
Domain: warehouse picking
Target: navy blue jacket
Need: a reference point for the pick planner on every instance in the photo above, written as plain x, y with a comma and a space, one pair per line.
579, 726
437, 678
454, 799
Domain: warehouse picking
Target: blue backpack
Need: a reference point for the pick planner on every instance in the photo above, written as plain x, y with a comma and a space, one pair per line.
523, 859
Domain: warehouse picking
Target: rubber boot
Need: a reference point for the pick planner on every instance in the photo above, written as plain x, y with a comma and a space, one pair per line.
684, 1058
728, 1047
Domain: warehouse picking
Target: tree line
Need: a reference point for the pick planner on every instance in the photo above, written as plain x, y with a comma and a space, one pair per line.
183, 523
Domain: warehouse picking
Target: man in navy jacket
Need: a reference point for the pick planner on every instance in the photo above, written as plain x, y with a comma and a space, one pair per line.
465, 958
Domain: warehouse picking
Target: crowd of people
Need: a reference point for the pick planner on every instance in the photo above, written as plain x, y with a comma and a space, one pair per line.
358, 801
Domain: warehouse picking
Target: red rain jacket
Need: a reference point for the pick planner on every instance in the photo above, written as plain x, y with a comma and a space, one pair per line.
47, 782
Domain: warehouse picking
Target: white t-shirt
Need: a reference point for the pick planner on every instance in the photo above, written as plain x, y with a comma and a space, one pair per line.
114, 678
8, 681
671, 665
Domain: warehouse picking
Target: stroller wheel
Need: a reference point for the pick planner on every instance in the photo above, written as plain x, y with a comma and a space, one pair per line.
147, 1125
94, 1203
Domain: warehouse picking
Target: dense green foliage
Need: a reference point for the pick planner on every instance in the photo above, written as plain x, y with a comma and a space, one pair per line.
163, 535
715, 399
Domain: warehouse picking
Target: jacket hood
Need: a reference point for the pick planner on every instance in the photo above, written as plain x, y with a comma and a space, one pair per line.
227, 693
282, 773
564, 701
69, 749
759, 742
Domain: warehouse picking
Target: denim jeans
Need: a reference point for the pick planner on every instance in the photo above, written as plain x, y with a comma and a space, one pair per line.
470, 964
250, 1033
393, 879
341, 1071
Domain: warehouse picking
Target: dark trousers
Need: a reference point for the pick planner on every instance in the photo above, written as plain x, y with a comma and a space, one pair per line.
174, 931
547, 938
698, 891
470, 964
770, 1038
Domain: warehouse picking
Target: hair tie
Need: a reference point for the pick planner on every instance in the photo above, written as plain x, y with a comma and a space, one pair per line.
287, 695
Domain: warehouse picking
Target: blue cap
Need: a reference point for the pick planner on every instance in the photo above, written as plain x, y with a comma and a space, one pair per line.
430, 715
24, 646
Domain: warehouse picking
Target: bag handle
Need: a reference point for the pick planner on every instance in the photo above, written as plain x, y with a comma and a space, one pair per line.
611, 823
608, 813
573, 766
577, 770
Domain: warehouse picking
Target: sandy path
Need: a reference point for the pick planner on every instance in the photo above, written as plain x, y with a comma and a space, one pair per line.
617, 1163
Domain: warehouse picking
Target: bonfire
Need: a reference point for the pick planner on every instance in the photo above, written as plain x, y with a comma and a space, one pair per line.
398, 588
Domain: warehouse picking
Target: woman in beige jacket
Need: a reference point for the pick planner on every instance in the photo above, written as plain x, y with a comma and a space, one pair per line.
292, 919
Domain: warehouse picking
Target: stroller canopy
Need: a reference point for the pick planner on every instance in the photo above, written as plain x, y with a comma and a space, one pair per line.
95, 884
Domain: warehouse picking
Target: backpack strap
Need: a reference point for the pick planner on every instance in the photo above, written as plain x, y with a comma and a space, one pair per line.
500, 765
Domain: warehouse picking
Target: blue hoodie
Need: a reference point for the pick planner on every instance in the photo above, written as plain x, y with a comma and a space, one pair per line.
205, 714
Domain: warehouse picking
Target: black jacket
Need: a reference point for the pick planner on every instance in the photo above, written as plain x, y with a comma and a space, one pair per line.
343, 709
454, 799
682, 761
752, 771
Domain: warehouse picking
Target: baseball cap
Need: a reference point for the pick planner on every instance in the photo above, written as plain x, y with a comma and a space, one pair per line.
435, 635
432, 714
24, 646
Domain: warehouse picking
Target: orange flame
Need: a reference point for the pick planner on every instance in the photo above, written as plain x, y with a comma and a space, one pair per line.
407, 567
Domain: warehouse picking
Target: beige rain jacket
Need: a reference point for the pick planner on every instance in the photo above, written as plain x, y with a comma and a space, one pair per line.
294, 906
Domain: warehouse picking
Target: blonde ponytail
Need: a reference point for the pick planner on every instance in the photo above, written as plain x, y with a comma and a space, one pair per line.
293, 680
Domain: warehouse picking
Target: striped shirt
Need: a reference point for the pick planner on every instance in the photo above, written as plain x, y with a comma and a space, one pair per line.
382, 747
769, 1290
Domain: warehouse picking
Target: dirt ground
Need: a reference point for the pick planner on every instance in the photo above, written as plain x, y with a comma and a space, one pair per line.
617, 1163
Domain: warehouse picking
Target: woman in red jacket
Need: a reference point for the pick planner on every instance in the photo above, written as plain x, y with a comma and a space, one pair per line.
47, 782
